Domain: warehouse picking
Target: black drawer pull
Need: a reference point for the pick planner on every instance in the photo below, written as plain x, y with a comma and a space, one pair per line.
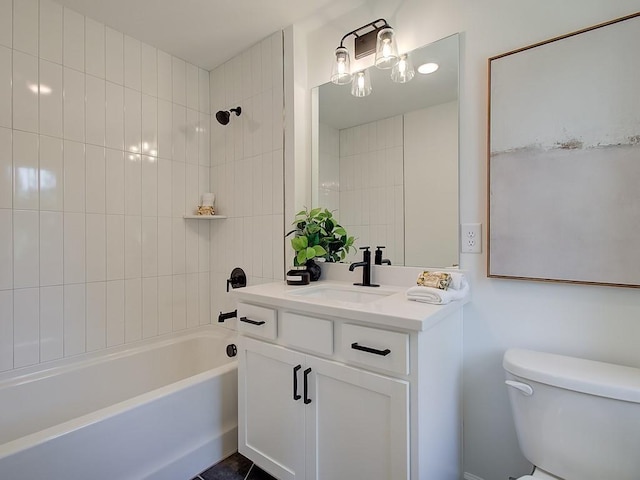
307, 400
252, 322
295, 382
384, 352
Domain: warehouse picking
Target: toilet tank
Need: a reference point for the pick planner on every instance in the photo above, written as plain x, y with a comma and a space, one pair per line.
581, 419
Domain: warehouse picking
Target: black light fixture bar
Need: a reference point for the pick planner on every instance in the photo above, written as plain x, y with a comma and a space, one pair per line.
365, 43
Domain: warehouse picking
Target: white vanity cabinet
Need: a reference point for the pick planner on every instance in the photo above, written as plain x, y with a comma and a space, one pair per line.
335, 397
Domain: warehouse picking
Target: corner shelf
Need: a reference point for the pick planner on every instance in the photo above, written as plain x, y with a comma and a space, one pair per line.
205, 217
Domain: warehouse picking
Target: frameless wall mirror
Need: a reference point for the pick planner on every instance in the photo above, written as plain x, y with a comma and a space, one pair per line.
387, 163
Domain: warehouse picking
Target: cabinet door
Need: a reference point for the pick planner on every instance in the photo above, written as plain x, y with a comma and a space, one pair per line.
357, 424
270, 421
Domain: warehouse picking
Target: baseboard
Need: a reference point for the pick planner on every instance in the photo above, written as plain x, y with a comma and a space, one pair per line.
471, 476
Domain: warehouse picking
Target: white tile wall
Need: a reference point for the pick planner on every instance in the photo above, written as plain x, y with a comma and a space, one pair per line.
246, 170
104, 145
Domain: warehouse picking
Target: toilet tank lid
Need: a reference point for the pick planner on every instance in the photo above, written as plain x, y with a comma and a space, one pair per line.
577, 374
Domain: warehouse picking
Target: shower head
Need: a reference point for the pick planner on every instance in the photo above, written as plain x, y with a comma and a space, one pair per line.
223, 115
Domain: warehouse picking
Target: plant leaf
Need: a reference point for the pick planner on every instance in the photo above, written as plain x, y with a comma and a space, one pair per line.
314, 213
301, 258
319, 250
311, 253
339, 230
299, 243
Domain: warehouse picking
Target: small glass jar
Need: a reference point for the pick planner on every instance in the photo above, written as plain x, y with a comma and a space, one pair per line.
298, 275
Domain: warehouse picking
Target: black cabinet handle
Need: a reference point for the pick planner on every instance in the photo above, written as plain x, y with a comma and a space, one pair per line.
295, 382
252, 322
384, 352
307, 400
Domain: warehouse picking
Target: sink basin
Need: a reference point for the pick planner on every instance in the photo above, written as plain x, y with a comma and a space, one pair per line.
332, 293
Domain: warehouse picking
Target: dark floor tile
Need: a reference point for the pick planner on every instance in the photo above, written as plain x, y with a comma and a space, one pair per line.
234, 467
257, 473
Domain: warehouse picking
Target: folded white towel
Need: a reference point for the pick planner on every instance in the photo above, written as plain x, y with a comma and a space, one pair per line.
437, 296
458, 280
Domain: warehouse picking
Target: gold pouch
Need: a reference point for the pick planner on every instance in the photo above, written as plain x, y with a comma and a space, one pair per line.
439, 280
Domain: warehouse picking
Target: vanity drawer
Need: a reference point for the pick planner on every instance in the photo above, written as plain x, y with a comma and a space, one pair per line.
376, 348
257, 321
305, 332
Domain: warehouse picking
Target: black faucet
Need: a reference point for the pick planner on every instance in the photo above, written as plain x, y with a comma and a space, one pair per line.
366, 268
379, 260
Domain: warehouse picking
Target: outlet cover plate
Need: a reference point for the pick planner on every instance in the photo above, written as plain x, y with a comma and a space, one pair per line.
471, 238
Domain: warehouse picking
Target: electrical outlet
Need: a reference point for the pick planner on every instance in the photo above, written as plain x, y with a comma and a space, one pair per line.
471, 238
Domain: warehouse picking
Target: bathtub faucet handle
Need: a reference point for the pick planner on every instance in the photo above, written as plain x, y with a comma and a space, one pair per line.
226, 316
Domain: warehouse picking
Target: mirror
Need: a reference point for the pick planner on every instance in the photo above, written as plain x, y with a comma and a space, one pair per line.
387, 164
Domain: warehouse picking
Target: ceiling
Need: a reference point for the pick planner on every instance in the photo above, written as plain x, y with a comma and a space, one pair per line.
203, 32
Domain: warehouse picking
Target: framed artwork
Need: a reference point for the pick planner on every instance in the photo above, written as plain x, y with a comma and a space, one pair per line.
564, 158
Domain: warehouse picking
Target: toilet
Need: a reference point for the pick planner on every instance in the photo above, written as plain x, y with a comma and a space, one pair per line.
575, 419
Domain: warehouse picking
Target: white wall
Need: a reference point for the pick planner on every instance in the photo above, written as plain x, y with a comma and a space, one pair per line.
96, 171
596, 322
247, 161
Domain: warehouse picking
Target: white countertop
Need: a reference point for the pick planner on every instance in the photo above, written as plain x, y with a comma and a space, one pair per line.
393, 310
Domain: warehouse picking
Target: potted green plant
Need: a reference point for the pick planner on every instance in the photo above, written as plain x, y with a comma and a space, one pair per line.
317, 234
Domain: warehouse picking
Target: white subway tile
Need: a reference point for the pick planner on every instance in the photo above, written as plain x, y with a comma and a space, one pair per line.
193, 304
95, 48
149, 307
96, 316
278, 250
25, 92
203, 91
266, 127
204, 182
149, 246
132, 120
267, 187
179, 303
193, 86
96, 247
74, 319
191, 246
256, 69
6, 330
267, 74
50, 99
95, 179
132, 184
115, 313
165, 129
149, 73
51, 248
115, 247
149, 186
165, 86
6, 78
178, 182
73, 40
165, 250
6, 34
95, 110
216, 89
73, 105
74, 177
179, 133
26, 237
132, 63
26, 324
178, 242
51, 323
50, 31
179, 81
114, 179
74, 248
132, 310
268, 236
164, 187
204, 142
25, 26
132, 246
192, 143
257, 207
114, 126
6, 250
25, 170
247, 72
51, 174
149, 125
192, 193
165, 305
203, 246
204, 298
114, 56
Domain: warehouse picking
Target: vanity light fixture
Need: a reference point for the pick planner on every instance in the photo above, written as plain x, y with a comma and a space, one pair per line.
378, 37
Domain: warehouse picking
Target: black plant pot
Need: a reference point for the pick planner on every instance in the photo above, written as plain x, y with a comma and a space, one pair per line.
314, 270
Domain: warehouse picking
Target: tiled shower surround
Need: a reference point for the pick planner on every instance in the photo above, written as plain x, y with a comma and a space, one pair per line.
104, 146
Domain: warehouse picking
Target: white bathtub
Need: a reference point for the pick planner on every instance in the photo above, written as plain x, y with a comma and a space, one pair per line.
163, 409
